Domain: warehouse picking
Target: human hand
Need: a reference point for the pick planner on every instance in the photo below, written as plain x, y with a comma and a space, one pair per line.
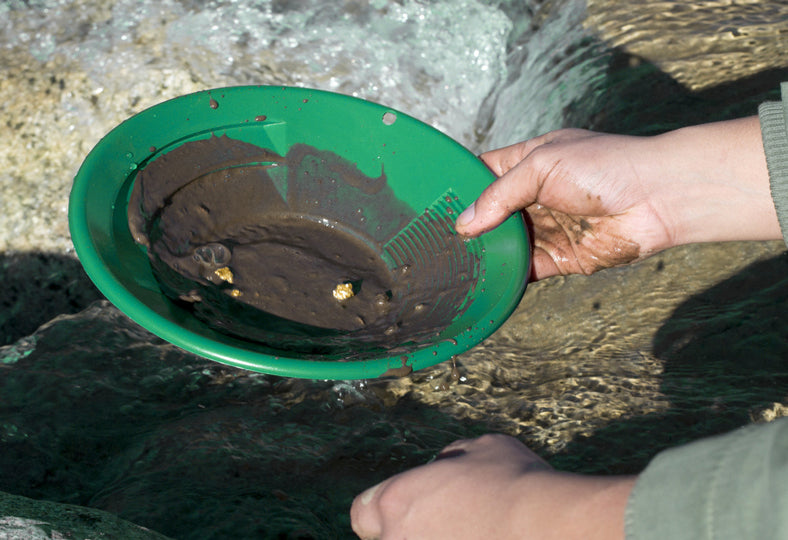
595, 200
491, 487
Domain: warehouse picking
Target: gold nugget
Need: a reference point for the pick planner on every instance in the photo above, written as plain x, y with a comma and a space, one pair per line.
235, 293
225, 274
343, 291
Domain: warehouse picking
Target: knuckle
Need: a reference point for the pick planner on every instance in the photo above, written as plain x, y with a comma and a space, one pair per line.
543, 161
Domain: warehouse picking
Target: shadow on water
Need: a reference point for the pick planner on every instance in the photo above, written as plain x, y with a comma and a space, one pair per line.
724, 353
98, 412
637, 98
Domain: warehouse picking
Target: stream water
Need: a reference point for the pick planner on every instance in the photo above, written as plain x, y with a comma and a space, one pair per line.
596, 373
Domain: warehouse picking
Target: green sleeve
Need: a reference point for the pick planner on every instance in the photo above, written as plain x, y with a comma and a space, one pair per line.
774, 129
732, 486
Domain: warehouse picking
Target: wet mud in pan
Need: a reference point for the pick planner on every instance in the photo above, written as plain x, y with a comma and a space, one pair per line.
302, 253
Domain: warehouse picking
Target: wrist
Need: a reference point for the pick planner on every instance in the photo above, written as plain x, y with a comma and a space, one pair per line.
713, 183
556, 505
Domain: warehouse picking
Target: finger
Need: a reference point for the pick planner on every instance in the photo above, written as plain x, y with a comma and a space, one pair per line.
520, 178
514, 190
457, 448
517, 186
542, 265
502, 160
365, 517
458, 444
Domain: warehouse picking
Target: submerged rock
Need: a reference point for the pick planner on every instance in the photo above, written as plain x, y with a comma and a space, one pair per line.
98, 412
29, 519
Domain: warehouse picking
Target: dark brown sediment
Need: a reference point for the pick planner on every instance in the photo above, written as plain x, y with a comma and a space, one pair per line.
258, 244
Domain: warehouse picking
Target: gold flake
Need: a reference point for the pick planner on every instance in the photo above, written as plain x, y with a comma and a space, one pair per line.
225, 274
343, 291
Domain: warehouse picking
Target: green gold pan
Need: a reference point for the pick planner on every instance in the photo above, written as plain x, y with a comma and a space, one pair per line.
404, 184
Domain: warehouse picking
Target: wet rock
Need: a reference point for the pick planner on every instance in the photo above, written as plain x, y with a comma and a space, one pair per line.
29, 519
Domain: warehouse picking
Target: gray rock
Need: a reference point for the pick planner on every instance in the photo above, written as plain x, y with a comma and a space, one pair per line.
29, 519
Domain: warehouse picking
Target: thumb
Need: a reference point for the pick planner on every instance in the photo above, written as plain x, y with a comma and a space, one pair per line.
365, 515
521, 168
513, 191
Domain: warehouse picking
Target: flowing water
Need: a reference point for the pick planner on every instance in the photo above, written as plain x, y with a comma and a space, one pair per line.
596, 373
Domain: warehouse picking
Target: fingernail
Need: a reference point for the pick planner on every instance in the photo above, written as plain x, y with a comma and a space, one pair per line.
368, 494
467, 215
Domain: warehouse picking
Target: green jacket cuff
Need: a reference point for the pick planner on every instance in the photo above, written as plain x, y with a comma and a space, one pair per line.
774, 120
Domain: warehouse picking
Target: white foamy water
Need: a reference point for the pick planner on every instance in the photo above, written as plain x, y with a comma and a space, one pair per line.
436, 61
78, 68
552, 66
484, 72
